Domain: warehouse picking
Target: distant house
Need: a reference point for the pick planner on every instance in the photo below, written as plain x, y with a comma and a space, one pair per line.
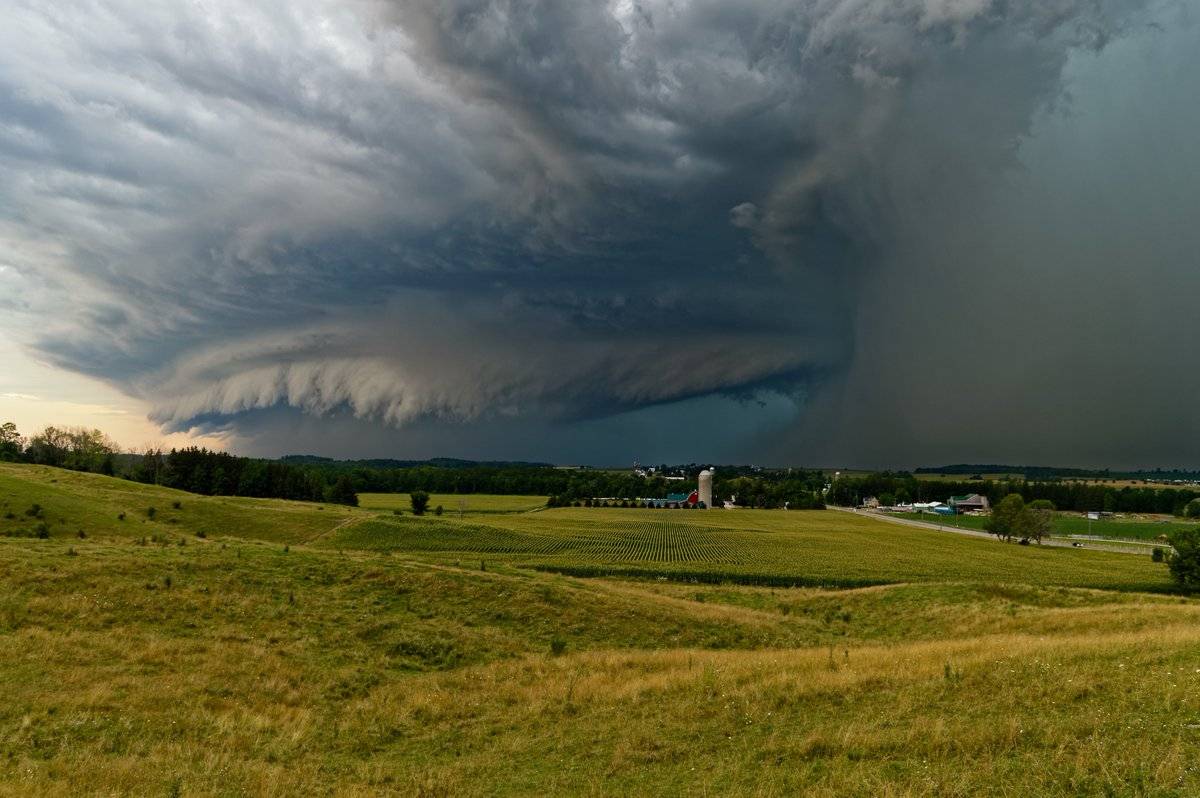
970, 503
871, 503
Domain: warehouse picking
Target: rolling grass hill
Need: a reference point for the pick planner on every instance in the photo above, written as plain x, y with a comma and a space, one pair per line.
71, 501
294, 650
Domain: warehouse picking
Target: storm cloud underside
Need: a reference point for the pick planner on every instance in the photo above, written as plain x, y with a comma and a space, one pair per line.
932, 228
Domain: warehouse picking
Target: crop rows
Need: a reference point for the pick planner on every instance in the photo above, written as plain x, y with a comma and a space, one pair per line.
641, 541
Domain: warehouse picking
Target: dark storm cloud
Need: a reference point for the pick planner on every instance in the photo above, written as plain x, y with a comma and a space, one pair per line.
425, 213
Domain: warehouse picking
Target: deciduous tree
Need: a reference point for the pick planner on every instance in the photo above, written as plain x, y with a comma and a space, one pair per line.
1006, 516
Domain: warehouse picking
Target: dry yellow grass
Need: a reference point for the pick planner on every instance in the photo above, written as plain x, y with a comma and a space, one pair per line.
234, 666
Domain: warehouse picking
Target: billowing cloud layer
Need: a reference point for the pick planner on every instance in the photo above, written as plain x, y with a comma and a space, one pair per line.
468, 210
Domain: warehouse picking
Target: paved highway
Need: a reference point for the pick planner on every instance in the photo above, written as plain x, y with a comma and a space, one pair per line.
1130, 548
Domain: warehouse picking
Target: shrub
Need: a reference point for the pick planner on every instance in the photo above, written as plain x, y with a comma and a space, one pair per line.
43, 531
437, 510
419, 501
397, 511
151, 512
121, 516
10, 515
1042, 504
177, 505
558, 646
201, 534
1184, 562
1158, 555
81, 534
34, 511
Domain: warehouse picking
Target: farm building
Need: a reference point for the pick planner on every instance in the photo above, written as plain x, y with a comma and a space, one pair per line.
700, 496
705, 488
675, 499
970, 502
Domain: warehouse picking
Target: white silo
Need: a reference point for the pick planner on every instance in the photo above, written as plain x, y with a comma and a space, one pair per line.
706, 487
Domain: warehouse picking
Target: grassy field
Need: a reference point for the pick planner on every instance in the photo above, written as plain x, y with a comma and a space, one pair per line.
297, 650
454, 503
753, 546
71, 502
1065, 525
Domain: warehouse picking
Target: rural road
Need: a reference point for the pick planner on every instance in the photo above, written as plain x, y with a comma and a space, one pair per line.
1132, 548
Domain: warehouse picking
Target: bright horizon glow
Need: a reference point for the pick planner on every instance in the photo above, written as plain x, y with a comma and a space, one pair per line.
34, 395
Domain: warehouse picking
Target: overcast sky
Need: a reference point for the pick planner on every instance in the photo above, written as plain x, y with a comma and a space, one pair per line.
831, 232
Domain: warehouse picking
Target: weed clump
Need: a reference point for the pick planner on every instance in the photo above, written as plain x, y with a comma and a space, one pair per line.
81, 534
177, 505
438, 510
34, 511
41, 531
121, 516
558, 646
200, 533
151, 512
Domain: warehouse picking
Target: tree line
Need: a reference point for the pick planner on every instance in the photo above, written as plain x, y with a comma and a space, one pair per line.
317, 479
1072, 496
208, 472
763, 488
194, 469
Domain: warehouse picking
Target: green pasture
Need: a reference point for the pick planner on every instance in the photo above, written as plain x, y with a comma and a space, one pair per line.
453, 503
751, 546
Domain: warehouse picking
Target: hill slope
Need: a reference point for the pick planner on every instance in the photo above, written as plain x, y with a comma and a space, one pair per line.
257, 663
71, 501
